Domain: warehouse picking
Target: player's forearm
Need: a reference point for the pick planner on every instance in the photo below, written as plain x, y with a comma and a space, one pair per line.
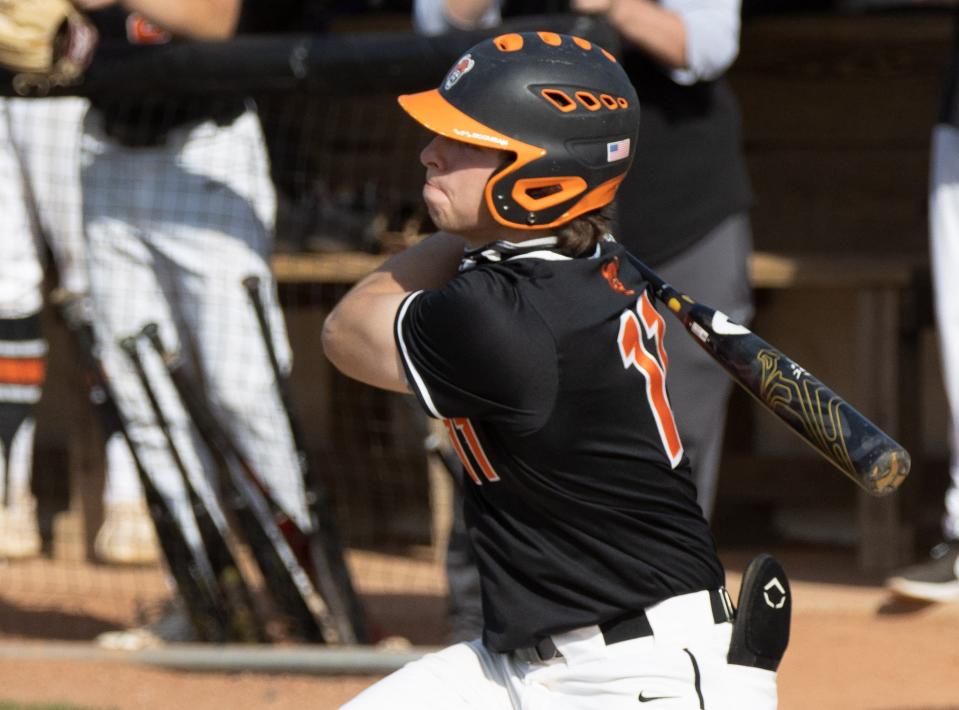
358, 338
358, 334
197, 19
428, 264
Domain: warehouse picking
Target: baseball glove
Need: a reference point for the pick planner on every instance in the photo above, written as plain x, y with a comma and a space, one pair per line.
44, 42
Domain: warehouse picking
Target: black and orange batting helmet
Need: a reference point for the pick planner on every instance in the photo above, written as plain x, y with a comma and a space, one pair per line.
561, 105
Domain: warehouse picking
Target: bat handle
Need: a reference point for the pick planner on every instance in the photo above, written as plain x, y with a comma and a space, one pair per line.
674, 300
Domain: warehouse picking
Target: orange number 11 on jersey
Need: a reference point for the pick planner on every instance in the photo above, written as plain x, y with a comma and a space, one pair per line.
464, 438
635, 353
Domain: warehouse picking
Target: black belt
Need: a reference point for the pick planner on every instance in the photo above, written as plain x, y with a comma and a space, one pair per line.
625, 628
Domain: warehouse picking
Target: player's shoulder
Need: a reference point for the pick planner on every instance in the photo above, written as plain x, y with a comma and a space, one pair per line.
490, 289
483, 306
480, 322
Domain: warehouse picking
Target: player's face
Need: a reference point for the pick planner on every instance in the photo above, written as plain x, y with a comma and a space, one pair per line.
456, 176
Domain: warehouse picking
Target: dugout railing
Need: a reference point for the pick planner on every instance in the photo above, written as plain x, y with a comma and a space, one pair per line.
344, 165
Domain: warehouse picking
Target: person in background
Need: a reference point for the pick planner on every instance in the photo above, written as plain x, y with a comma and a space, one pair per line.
178, 209
683, 208
22, 354
937, 578
39, 210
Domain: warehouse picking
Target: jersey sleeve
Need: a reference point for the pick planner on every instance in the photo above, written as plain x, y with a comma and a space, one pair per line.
473, 349
712, 37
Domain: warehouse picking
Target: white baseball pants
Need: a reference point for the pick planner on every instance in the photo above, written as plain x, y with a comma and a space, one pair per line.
944, 253
681, 667
39, 142
172, 231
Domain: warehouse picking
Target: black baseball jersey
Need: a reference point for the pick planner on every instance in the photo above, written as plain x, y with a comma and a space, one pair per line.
549, 372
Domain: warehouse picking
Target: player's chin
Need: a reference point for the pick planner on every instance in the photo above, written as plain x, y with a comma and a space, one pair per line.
439, 216
432, 195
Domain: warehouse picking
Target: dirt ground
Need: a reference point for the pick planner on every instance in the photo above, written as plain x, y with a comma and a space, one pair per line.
852, 648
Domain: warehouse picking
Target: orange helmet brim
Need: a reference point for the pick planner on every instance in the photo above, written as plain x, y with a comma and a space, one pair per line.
435, 113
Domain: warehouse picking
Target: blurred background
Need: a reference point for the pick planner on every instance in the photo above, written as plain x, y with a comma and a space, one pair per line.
837, 102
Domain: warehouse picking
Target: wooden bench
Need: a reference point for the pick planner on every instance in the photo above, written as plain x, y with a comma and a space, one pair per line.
891, 306
890, 301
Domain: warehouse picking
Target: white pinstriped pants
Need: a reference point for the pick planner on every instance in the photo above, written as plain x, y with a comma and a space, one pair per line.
681, 667
944, 253
172, 231
39, 192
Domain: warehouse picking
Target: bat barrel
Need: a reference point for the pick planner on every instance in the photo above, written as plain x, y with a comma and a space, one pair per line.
846, 438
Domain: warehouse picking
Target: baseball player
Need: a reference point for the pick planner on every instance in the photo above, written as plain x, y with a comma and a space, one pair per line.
44, 43
22, 355
178, 209
523, 327
39, 204
936, 578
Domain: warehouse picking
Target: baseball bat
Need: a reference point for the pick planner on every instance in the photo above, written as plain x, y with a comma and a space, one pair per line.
823, 419
328, 565
245, 625
193, 578
270, 534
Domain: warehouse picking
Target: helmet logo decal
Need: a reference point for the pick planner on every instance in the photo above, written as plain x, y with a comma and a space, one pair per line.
480, 136
459, 69
610, 271
617, 150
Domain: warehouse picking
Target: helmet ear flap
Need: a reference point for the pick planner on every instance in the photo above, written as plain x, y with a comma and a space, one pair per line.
539, 193
534, 201
542, 202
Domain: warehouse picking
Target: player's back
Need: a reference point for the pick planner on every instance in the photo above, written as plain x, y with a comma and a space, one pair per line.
550, 377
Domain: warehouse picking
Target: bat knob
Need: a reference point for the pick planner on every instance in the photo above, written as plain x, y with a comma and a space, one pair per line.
129, 344
889, 471
251, 283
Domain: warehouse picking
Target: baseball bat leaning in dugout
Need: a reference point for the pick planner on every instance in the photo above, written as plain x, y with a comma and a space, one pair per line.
273, 538
847, 439
326, 562
245, 625
192, 574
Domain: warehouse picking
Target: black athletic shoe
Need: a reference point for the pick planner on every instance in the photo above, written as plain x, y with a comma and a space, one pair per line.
935, 581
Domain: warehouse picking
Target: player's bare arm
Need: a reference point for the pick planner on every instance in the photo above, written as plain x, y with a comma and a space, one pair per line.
358, 334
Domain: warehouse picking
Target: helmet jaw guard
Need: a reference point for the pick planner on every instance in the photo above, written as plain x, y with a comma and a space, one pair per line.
561, 105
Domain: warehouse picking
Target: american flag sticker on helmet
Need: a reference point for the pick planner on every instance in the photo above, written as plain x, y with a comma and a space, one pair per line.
617, 150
